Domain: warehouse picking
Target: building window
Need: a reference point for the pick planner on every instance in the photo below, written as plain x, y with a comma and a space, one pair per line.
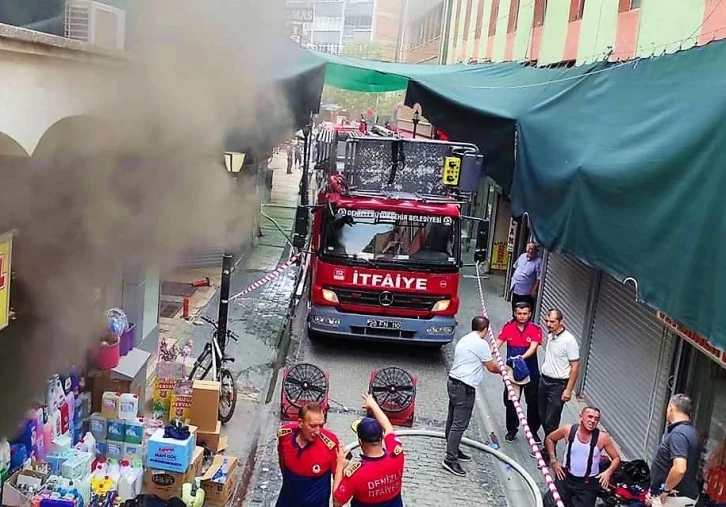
493, 18
513, 15
540, 9
328, 47
577, 8
629, 5
426, 28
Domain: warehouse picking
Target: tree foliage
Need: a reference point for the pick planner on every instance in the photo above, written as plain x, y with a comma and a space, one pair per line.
355, 103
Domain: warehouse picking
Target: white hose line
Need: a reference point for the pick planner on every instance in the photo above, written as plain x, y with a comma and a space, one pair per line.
532, 485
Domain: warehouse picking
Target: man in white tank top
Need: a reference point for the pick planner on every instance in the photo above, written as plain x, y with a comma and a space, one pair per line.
579, 477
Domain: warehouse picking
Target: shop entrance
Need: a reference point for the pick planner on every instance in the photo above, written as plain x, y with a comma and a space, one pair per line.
704, 380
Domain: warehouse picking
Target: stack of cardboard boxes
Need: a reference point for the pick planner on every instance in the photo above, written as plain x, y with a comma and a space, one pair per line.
171, 463
203, 415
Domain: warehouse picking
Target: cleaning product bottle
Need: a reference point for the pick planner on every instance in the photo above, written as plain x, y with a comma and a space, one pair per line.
71, 409
99, 426
193, 494
126, 489
114, 471
220, 475
90, 441
4, 456
109, 404
128, 406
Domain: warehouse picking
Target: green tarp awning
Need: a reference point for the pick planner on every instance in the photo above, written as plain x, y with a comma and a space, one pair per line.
622, 165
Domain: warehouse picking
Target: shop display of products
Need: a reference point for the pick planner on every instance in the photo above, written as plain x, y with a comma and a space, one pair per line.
66, 454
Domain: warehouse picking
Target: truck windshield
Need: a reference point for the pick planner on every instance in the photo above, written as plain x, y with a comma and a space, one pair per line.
382, 237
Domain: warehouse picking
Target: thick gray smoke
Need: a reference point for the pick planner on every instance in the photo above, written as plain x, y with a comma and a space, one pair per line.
137, 180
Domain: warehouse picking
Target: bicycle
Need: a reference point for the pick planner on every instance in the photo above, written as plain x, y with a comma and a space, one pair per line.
212, 359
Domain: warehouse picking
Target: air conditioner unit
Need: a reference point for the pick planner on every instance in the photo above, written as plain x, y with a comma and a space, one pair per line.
95, 22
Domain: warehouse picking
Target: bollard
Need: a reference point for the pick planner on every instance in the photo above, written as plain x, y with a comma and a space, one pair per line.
185, 308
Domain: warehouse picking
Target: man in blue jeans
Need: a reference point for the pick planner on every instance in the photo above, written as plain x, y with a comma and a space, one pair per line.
471, 355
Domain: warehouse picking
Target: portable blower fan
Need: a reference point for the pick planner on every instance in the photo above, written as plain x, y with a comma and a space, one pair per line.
302, 384
394, 389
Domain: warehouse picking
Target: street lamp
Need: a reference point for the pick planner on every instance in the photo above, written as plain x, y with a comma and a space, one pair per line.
415, 119
233, 162
304, 191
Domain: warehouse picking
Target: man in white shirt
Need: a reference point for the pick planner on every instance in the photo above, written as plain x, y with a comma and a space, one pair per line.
558, 372
471, 355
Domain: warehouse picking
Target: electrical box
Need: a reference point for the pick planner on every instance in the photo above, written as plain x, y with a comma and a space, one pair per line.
452, 171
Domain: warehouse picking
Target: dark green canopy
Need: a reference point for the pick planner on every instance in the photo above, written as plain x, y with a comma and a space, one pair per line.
622, 165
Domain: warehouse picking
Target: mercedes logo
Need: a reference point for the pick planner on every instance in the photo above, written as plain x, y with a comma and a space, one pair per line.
386, 299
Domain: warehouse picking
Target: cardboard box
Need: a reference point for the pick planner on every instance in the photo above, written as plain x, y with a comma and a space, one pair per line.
181, 400
163, 389
169, 454
217, 493
205, 405
13, 496
128, 377
168, 484
213, 440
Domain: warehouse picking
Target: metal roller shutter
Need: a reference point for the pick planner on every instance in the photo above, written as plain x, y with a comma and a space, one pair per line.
567, 285
202, 259
628, 367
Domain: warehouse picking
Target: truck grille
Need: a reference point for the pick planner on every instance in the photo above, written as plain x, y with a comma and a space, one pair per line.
373, 297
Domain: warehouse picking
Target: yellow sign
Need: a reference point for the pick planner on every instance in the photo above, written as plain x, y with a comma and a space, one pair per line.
452, 167
500, 256
6, 247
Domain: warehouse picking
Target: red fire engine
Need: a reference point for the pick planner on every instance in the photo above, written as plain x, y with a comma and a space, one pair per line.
386, 240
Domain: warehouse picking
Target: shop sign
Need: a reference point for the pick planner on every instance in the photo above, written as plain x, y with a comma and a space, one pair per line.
6, 247
512, 235
694, 339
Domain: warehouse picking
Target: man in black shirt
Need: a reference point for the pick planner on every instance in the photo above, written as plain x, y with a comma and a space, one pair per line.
673, 474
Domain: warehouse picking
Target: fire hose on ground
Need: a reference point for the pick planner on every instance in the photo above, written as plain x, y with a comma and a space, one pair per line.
528, 479
549, 480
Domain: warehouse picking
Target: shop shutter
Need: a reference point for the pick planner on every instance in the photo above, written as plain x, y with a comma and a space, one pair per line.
202, 259
567, 286
628, 368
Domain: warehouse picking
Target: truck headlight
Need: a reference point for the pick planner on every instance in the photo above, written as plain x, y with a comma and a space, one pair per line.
329, 295
441, 305
440, 330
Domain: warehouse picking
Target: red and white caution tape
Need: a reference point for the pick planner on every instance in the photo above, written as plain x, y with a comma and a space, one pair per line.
517, 406
267, 278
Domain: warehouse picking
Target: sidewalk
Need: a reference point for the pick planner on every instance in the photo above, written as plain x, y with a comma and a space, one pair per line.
490, 401
258, 318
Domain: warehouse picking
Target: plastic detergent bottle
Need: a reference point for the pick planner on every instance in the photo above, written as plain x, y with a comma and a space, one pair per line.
99, 426
109, 404
71, 408
90, 441
114, 471
128, 406
134, 431
4, 456
100, 471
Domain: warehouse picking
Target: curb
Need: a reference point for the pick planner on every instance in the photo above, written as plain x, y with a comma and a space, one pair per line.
512, 484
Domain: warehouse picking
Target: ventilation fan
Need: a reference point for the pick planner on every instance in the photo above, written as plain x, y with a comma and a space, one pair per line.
302, 384
394, 389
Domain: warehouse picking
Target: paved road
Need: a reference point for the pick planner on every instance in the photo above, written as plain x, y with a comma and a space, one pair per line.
349, 365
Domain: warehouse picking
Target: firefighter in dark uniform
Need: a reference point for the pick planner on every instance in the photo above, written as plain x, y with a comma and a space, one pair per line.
308, 455
376, 479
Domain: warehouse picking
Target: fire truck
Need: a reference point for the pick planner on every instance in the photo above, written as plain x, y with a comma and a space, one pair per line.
385, 240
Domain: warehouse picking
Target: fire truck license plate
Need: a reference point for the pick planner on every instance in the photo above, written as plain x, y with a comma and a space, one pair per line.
383, 324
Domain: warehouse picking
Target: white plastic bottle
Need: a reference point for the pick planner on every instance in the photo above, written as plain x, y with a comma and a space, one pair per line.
126, 484
114, 471
4, 455
90, 442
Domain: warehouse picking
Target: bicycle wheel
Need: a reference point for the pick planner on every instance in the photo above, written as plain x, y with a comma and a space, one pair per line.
202, 365
227, 395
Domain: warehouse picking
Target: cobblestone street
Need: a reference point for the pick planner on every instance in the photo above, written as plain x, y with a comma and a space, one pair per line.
349, 365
